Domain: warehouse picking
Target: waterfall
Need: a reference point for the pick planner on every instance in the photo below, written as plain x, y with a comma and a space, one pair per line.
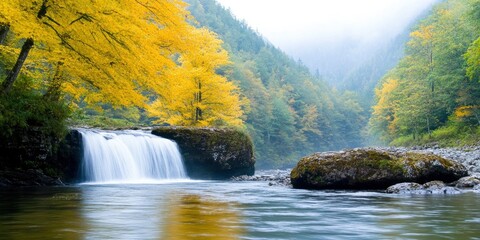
129, 157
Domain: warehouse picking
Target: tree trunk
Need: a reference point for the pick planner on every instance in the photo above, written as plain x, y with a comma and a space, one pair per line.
12, 76
200, 100
428, 127
198, 110
3, 33
53, 91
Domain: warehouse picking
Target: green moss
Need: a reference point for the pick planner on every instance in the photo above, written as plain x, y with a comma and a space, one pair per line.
412, 158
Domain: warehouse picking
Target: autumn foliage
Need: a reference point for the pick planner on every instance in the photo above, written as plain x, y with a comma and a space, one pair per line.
434, 91
125, 53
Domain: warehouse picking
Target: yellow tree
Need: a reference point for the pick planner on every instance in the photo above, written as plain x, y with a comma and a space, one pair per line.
100, 51
383, 117
197, 95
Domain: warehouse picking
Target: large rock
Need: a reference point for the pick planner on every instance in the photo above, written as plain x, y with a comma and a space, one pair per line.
372, 169
211, 153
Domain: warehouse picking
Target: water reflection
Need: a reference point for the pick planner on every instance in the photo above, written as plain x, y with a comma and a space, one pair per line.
432, 217
231, 210
194, 217
40, 214
162, 212
120, 213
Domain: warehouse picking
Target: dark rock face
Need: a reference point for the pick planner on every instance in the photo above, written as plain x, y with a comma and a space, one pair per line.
26, 159
30, 177
69, 156
372, 169
33, 158
27, 148
212, 153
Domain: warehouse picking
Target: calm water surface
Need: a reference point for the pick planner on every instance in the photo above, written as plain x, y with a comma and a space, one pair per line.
231, 210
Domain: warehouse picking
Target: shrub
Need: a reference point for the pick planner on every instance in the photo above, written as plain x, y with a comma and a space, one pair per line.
24, 108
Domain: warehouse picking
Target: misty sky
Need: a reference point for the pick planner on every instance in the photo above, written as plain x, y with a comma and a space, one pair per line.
287, 23
315, 30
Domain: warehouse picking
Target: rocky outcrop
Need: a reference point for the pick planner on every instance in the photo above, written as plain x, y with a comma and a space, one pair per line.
372, 169
29, 177
34, 158
27, 148
211, 153
25, 158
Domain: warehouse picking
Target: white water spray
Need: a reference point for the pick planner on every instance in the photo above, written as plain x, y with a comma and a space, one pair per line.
129, 157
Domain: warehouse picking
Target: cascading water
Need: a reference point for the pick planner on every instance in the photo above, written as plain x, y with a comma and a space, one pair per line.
129, 157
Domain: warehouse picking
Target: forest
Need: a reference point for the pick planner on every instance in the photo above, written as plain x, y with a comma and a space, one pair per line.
191, 63
432, 95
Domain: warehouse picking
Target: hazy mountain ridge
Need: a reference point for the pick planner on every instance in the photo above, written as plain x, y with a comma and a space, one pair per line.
293, 113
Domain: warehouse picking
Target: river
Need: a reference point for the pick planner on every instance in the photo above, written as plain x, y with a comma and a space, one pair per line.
231, 210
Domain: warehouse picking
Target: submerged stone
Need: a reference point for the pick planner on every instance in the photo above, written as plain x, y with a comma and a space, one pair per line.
372, 169
433, 187
404, 187
468, 182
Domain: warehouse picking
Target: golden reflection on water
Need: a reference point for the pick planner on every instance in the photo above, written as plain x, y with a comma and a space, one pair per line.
41, 216
194, 217
97, 213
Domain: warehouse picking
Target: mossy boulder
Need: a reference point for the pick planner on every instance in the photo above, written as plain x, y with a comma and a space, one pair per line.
211, 153
372, 169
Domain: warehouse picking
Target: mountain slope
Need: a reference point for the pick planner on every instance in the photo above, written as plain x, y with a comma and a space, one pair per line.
292, 113
431, 95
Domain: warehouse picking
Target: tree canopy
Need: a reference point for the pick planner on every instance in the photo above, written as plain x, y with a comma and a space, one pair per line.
434, 90
123, 53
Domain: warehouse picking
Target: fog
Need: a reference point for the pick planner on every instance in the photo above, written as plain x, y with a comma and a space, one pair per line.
332, 36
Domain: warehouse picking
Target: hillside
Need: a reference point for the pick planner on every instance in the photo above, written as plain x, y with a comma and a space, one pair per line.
292, 112
433, 93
